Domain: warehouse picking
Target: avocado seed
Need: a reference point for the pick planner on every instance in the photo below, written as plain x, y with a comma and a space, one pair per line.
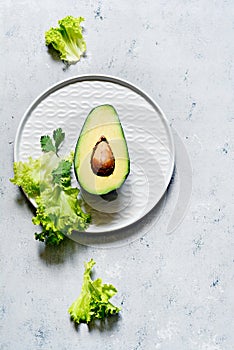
102, 159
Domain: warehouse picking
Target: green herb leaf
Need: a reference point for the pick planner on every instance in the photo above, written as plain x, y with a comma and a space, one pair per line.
47, 144
62, 174
58, 136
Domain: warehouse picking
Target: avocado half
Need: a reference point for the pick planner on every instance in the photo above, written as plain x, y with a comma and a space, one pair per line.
101, 160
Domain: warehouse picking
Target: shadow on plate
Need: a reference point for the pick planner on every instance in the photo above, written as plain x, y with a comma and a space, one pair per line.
124, 236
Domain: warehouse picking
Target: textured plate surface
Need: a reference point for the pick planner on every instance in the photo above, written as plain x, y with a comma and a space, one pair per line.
146, 129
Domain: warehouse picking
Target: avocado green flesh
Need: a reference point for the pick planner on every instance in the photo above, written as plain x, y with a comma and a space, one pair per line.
102, 121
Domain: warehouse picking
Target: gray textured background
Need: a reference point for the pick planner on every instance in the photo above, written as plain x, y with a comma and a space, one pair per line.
176, 290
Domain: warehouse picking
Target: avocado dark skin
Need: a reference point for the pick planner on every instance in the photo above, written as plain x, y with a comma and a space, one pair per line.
110, 197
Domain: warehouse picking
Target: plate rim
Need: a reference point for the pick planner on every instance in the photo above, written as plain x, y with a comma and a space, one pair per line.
108, 78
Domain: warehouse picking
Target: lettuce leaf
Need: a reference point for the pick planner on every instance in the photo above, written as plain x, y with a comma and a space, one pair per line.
47, 180
93, 301
34, 175
59, 213
67, 39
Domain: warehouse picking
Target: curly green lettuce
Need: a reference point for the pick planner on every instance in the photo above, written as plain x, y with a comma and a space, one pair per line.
67, 39
93, 301
47, 180
34, 175
59, 213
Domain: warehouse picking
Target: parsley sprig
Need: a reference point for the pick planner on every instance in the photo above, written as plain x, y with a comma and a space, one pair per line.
49, 145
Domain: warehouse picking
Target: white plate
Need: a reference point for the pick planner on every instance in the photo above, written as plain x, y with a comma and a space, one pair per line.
146, 129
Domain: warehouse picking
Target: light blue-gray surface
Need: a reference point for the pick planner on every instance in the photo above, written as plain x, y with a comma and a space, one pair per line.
176, 291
